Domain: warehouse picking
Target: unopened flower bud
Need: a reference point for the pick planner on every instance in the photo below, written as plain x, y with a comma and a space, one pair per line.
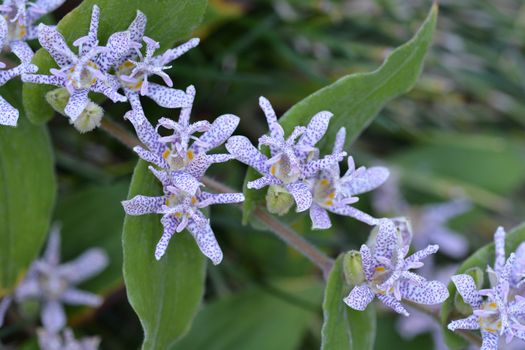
278, 200
353, 268
58, 99
89, 119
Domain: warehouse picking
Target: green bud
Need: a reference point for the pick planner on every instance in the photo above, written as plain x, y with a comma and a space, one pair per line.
353, 268
278, 200
89, 119
58, 99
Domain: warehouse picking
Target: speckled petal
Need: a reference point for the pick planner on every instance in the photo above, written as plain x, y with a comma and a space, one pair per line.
85, 266
180, 50
422, 254
386, 239
53, 316
367, 262
79, 297
185, 182
168, 97
328, 161
220, 198
319, 217
430, 293
245, 152
184, 118
151, 157
470, 322
499, 241
206, 240
315, 129
359, 297
3, 31
263, 182
367, 180
43, 79
108, 90
467, 288
170, 224
140, 205
54, 43
218, 158
138, 27
490, 340
276, 130
76, 104
220, 130
301, 194
145, 131
117, 48
357, 214
89, 41
8, 113
22, 50
339, 143
42, 7
392, 303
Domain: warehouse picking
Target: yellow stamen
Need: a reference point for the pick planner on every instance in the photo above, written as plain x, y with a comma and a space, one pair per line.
325, 182
380, 269
166, 154
193, 200
272, 170
190, 155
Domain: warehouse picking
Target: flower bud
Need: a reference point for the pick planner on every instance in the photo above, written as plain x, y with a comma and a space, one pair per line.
353, 268
89, 119
58, 99
278, 200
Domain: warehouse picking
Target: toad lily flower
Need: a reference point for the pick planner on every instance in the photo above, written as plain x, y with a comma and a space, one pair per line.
9, 114
333, 192
182, 210
53, 284
83, 73
387, 274
56, 341
22, 15
134, 70
182, 151
290, 163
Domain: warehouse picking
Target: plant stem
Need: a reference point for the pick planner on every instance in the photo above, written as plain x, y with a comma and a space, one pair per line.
285, 233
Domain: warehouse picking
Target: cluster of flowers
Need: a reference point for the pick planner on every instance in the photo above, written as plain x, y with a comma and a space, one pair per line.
291, 167
53, 284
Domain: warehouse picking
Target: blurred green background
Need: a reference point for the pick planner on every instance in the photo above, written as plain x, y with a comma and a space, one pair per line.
459, 132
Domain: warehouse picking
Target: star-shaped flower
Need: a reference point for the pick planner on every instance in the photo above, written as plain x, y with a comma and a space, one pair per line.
182, 151
388, 277
181, 209
135, 68
333, 192
500, 309
54, 284
83, 73
22, 16
9, 114
291, 160
65, 341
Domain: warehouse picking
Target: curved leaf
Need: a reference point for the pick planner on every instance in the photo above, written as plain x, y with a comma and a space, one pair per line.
168, 21
27, 193
356, 99
343, 327
482, 258
165, 294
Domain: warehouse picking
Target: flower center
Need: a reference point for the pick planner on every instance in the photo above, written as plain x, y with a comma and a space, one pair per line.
283, 170
85, 78
177, 160
134, 83
324, 192
53, 286
181, 198
381, 274
491, 322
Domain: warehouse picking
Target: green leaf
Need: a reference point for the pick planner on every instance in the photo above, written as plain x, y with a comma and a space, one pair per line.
482, 258
93, 217
168, 22
356, 99
27, 193
165, 294
256, 319
343, 327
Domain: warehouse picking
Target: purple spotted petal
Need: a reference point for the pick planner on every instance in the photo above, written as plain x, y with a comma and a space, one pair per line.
170, 225
85, 266
8, 113
138, 27
220, 130
490, 340
422, 254
43, 79
315, 130
3, 31
367, 180
499, 241
316, 165
206, 241
393, 303
359, 297
319, 217
151, 157
430, 293
245, 152
76, 104
386, 240
276, 130
367, 261
220, 198
54, 43
263, 182
108, 90
168, 97
22, 50
53, 316
339, 143
78, 297
89, 41
185, 182
140, 205
41, 7
180, 50
470, 322
467, 288
301, 194
145, 131
117, 48
357, 214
